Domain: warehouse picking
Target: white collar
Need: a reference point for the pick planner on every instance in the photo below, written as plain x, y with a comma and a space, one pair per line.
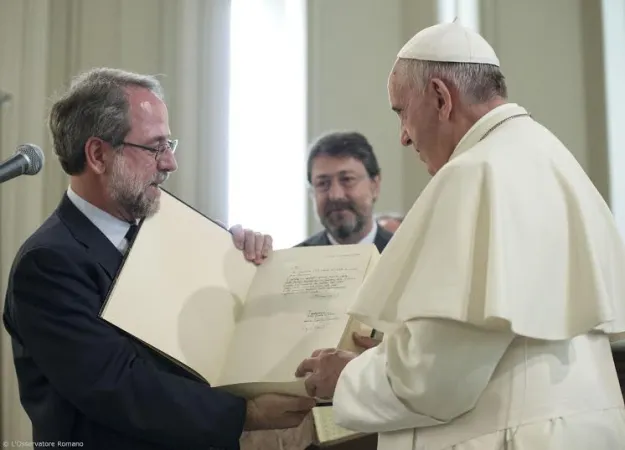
368, 239
113, 228
484, 125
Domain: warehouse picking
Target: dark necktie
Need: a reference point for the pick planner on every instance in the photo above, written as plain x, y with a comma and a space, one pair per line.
131, 233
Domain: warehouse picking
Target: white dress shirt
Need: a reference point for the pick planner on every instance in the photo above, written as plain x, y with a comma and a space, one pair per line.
113, 228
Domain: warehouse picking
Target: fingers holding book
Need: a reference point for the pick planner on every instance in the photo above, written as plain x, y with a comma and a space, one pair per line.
255, 246
365, 342
272, 411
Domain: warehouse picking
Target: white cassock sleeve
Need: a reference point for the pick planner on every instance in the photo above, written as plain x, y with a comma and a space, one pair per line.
427, 373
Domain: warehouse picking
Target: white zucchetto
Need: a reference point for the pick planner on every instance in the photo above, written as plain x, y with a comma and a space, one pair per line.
449, 42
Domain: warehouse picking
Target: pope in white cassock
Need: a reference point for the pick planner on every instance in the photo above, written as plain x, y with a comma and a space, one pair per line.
500, 293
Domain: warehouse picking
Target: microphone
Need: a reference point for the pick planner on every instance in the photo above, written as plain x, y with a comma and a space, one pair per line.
27, 160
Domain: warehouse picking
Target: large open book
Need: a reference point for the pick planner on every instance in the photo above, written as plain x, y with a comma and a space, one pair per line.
186, 291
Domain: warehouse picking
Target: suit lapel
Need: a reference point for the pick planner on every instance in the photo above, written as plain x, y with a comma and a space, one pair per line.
323, 239
320, 238
85, 232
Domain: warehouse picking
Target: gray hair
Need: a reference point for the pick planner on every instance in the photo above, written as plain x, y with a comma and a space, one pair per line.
96, 105
476, 83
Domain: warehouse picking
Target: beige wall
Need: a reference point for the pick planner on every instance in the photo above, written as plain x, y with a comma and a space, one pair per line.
611, 24
551, 53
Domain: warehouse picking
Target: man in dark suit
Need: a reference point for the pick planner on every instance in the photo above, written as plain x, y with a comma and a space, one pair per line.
344, 174
345, 178
81, 381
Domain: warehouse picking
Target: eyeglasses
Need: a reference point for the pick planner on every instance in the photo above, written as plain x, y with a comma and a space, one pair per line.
346, 181
159, 150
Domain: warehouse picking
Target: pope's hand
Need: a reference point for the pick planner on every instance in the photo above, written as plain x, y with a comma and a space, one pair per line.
325, 367
365, 342
255, 246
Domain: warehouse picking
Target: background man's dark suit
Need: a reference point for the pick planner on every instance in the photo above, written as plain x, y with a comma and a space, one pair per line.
381, 239
79, 377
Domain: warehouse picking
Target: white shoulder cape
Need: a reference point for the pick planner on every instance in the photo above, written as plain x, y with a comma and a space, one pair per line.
509, 234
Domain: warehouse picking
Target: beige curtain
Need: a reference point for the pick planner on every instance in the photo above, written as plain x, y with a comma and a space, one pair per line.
184, 40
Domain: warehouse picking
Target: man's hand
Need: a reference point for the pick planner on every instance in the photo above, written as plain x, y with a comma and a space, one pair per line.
273, 412
325, 367
365, 342
255, 246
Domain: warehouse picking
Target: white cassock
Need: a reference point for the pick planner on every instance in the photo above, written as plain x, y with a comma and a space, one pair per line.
498, 295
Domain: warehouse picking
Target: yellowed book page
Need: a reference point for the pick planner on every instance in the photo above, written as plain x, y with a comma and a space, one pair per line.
297, 303
327, 431
181, 288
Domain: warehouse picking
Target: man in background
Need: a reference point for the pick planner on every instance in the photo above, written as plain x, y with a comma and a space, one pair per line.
390, 221
81, 381
345, 179
344, 175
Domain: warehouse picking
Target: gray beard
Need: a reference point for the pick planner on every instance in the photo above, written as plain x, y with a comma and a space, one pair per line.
138, 206
129, 192
345, 231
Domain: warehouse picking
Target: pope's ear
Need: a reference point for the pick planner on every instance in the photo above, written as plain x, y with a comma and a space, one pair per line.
442, 95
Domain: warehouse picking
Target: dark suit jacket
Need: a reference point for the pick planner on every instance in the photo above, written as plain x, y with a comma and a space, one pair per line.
80, 380
619, 362
381, 239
